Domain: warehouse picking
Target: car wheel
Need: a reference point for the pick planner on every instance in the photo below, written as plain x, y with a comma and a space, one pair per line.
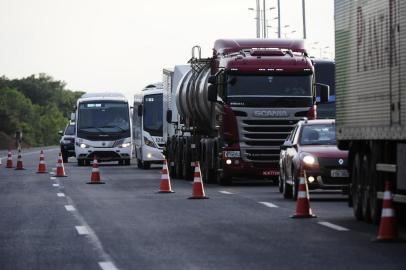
295, 188
356, 187
280, 184
287, 190
127, 162
65, 157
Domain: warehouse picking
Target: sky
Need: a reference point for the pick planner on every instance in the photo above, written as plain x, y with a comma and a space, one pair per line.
123, 45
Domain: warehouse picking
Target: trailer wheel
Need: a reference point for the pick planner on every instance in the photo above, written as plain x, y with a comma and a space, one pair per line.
186, 161
374, 202
178, 158
356, 187
366, 181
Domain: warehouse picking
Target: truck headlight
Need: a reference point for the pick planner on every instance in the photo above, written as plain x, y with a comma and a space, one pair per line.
232, 154
149, 142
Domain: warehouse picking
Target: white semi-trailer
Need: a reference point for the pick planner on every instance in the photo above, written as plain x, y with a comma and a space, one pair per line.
147, 124
103, 128
371, 99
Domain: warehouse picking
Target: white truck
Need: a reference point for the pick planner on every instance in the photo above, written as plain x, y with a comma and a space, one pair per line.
371, 100
147, 126
103, 128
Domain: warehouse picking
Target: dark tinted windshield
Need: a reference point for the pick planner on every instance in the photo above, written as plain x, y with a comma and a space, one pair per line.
103, 117
153, 114
318, 134
70, 130
269, 85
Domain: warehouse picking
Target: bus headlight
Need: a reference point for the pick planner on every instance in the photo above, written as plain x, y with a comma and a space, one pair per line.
124, 145
149, 142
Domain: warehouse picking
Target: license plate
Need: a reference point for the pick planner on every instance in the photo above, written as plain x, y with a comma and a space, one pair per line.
270, 173
339, 173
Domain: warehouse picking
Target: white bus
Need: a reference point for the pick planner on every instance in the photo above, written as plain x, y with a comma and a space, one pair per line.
147, 123
103, 128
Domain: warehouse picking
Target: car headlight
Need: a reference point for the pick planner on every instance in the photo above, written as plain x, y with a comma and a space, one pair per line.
309, 159
124, 145
232, 154
82, 145
149, 142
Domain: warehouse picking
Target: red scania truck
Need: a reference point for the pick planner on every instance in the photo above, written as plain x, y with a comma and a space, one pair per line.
371, 99
233, 111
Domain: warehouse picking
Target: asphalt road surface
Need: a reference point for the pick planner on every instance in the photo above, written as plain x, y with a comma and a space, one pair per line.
63, 223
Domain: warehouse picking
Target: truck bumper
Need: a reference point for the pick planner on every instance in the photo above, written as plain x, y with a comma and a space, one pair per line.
240, 168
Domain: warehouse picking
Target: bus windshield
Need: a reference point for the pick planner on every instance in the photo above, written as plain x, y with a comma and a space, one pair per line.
152, 116
103, 117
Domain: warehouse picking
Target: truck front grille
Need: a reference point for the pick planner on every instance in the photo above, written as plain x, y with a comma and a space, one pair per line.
260, 139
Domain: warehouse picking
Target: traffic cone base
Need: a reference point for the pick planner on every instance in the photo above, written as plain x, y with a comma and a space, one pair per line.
388, 230
197, 190
165, 184
95, 176
9, 163
303, 209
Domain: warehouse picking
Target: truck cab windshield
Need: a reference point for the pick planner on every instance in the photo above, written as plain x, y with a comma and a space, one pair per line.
153, 114
103, 117
280, 85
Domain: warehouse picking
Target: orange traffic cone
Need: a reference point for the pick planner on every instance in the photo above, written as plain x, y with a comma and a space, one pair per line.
20, 165
388, 230
60, 169
95, 177
41, 166
303, 209
198, 190
9, 163
165, 185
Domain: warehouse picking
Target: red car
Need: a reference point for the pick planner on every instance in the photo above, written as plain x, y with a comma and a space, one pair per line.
310, 150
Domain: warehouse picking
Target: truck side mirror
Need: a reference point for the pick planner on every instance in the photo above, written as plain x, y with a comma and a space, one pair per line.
212, 79
139, 110
212, 93
169, 116
324, 92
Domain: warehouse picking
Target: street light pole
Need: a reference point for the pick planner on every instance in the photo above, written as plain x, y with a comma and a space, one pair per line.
279, 19
258, 20
264, 16
304, 18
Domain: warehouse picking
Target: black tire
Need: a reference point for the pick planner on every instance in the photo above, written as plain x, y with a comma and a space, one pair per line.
127, 162
375, 205
295, 188
356, 187
81, 162
64, 157
146, 165
87, 162
139, 164
287, 190
178, 159
187, 170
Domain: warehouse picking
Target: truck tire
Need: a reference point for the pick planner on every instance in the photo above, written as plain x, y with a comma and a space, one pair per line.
187, 169
170, 158
146, 165
209, 171
376, 184
356, 187
178, 158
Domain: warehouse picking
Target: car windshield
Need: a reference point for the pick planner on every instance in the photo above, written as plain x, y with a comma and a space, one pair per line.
103, 117
282, 85
70, 130
320, 134
153, 114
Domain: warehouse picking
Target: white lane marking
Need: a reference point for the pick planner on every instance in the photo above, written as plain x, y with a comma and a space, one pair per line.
55, 185
60, 194
53, 178
82, 230
268, 204
107, 266
226, 192
70, 208
333, 226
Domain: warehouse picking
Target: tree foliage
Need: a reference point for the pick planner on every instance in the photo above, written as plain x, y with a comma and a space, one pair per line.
38, 105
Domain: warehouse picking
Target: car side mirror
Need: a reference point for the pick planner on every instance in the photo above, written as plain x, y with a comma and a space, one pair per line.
324, 92
212, 93
60, 132
169, 116
139, 110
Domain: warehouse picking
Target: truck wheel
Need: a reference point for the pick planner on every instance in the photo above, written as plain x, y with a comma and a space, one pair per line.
374, 202
178, 159
356, 187
81, 162
146, 165
186, 158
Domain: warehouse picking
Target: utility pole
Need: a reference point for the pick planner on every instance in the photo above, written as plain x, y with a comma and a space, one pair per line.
264, 17
304, 18
279, 19
258, 10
